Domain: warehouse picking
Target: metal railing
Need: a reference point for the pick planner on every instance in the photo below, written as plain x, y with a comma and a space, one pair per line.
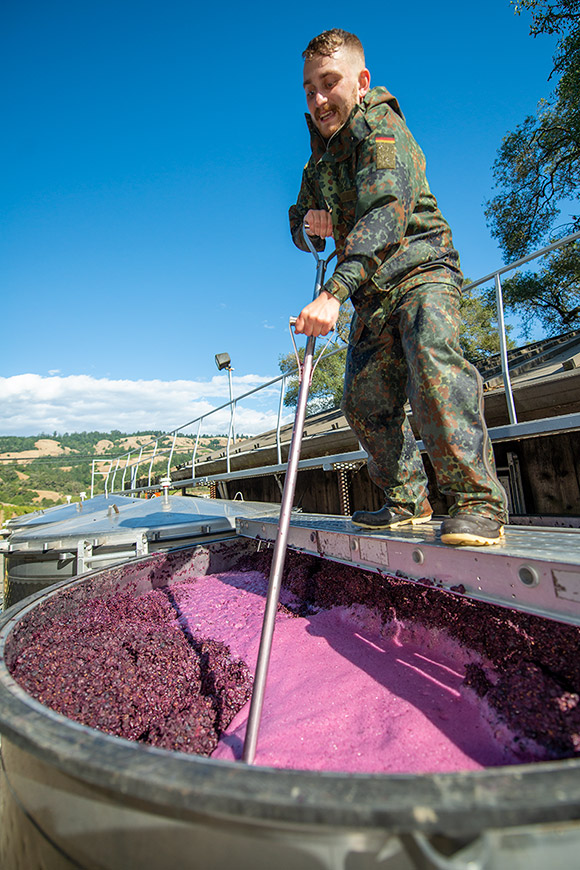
152, 449
496, 277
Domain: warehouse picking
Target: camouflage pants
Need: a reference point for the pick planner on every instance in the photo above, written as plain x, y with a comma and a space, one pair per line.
417, 357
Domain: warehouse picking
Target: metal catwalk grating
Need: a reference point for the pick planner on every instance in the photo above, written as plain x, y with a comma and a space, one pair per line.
532, 570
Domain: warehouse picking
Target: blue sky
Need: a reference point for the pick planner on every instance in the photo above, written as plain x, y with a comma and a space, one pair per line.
150, 153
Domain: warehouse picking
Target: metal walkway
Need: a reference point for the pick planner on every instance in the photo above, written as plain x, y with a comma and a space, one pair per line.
532, 570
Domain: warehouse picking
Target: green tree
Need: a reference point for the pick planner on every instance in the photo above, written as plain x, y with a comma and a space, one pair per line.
326, 388
479, 330
537, 175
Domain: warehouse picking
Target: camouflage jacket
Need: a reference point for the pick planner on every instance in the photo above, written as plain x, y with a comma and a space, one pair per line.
389, 233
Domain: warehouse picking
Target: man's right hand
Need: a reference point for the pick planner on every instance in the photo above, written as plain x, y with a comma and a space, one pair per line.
318, 223
319, 317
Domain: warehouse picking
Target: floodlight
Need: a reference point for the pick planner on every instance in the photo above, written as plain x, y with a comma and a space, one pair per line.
222, 361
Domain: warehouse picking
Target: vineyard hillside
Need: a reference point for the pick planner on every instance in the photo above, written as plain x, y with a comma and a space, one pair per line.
40, 471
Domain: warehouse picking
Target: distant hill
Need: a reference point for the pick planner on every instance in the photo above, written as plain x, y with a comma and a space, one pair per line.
38, 471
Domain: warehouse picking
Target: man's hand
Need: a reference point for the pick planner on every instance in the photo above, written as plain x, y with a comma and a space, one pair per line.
320, 316
319, 223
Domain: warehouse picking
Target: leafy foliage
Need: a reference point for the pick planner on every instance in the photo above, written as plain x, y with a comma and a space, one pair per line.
326, 388
537, 174
539, 164
538, 168
479, 331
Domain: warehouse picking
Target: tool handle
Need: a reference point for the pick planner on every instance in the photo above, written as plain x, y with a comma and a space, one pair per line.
308, 241
313, 250
275, 580
278, 559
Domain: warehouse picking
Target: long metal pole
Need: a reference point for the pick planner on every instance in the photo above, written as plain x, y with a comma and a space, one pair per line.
279, 420
232, 407
275, 581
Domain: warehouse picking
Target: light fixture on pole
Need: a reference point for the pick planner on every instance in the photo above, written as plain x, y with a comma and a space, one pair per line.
223, 361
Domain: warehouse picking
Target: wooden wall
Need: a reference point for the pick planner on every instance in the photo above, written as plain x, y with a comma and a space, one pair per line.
549, 467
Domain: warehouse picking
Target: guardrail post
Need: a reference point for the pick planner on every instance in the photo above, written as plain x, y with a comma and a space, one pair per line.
151, 464
230, 438
171, 455
194, 454
125, 471
135, 474
115, 474
107, 479
503, 350
232, 406
279, 422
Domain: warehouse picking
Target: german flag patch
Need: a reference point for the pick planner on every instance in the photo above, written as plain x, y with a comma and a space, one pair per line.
386, 153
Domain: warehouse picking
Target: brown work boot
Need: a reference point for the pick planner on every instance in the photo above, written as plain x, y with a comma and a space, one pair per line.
391, 516
471, 530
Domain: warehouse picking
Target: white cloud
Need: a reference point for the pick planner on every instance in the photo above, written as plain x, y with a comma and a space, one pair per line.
31, 404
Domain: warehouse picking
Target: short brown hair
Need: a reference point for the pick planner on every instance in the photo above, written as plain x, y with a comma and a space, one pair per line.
330, 41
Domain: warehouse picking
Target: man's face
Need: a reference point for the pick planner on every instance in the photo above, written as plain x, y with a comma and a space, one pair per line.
333, 87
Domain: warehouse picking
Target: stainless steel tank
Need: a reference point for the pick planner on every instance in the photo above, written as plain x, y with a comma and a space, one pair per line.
53, 545
76, 797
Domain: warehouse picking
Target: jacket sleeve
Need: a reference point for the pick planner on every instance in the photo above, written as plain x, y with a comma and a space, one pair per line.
307, 199
386, 199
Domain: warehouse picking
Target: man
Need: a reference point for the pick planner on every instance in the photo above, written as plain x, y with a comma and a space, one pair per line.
365, 186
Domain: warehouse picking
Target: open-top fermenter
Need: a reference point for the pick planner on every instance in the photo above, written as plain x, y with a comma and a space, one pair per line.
408, 723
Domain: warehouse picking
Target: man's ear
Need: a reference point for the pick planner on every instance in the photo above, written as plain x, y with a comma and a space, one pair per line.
364, 83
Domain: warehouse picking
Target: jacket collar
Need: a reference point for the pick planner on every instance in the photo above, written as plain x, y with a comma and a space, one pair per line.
342, 143
377, 102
